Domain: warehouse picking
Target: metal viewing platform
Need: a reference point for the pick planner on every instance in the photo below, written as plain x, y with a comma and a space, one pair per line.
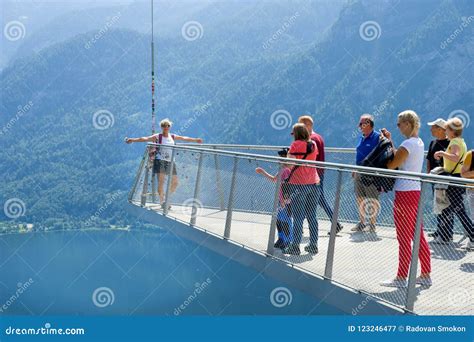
223, 204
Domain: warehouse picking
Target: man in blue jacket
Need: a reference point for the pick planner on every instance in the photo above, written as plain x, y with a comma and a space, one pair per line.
367, 195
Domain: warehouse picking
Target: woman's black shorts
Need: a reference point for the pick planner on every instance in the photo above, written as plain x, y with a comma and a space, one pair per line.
162, 166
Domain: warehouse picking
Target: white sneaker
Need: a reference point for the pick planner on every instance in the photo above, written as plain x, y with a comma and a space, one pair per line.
358, 227
470, 245
424, 281
394, 283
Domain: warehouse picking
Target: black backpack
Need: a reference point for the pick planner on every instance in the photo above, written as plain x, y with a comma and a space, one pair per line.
379, 157
471, 168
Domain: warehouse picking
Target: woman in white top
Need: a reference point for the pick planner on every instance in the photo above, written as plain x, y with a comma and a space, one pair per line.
408, 157
163, 154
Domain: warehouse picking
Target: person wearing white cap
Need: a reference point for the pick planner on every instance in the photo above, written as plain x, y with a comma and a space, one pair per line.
440, 143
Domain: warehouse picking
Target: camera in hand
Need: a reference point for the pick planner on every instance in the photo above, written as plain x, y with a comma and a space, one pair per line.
283, 152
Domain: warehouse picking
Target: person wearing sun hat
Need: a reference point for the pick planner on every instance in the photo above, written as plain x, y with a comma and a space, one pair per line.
453, 159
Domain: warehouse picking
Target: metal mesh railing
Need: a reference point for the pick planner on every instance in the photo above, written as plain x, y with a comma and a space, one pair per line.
221, 192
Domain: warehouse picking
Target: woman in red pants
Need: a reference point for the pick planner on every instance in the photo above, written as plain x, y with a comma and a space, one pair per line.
408, 157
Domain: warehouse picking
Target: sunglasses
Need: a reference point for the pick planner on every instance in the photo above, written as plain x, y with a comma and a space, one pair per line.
165, 126
364, 123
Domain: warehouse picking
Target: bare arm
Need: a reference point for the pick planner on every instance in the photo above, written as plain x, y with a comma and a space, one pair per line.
188, 139
261, 171
454, 156
150, 138
428, 166
400, 156
467, 174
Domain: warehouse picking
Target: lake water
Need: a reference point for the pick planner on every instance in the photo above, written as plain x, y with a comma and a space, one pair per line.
116, 272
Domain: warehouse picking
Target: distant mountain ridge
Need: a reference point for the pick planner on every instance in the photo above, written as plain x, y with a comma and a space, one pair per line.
224, 87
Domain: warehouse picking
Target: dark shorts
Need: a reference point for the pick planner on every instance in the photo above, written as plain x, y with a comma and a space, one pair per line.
162, 166
365, 191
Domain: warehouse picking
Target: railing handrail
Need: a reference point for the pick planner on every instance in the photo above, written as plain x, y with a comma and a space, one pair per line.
266, 147
330, 165
190, 151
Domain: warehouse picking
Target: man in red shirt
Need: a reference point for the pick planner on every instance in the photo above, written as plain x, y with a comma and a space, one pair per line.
309, 124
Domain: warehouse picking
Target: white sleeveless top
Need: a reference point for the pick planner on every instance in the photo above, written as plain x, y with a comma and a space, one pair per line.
164, 153
413, 163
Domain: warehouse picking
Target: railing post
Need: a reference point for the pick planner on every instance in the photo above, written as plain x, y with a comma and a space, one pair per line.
220, 190
168, 185
145, 182
196, 191
153, 187
131, 194
276, 204
230, 204
410, 301
332, 235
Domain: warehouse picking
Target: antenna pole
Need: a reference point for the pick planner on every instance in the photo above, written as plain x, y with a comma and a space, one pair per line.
152, 75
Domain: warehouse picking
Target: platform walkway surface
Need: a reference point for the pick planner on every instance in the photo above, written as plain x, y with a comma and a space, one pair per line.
362, 259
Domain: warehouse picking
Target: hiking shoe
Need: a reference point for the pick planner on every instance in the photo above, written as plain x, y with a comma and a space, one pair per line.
394, 283
440, 241
358, 227
470, 245
370, 227
424, 281
279, 244
338, 229
163, 206
311, 248
292, 249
